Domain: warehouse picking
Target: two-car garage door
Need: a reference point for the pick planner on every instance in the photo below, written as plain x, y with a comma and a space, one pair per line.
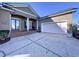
54, 27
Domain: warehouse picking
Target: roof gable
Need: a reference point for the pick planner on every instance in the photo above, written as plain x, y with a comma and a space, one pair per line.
24, 7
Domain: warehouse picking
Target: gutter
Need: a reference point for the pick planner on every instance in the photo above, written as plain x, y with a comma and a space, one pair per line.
1, 7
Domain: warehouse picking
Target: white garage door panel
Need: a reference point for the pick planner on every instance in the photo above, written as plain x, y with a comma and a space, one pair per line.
51, 28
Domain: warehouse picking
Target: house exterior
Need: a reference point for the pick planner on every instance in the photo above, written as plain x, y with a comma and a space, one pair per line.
22, 17
18, 17
59, 22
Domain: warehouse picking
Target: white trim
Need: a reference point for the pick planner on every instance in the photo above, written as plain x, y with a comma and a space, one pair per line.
37, 24
27, 24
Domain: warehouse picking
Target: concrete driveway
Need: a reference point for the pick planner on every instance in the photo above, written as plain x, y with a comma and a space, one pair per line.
41, 45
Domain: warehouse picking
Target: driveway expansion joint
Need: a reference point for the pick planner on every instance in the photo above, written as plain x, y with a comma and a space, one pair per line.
23, 46
19, 48
44, 47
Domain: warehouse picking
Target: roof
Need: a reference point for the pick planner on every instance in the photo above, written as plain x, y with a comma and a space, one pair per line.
6, 7
11, 6
24, 5
66, 11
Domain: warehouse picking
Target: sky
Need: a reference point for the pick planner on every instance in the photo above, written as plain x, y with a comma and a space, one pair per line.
46, 8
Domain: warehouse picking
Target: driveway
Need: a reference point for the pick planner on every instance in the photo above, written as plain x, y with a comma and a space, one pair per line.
41, 45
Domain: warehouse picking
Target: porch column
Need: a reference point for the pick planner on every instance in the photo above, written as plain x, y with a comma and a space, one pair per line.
37, 24
27, 24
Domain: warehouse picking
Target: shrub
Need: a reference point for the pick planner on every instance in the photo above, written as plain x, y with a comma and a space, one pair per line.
4, 34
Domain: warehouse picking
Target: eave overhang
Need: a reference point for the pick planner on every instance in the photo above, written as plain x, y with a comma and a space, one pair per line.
62, 12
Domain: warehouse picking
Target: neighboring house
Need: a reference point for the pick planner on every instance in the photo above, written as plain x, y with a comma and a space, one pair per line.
20, 17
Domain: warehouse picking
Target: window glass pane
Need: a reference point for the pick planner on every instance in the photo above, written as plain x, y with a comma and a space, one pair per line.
13, 24
17, 24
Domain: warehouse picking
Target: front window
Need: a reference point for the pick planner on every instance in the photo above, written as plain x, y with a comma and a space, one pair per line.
15, 24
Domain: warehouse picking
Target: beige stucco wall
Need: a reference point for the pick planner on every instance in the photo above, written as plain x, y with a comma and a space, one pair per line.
5, 18
66, 17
